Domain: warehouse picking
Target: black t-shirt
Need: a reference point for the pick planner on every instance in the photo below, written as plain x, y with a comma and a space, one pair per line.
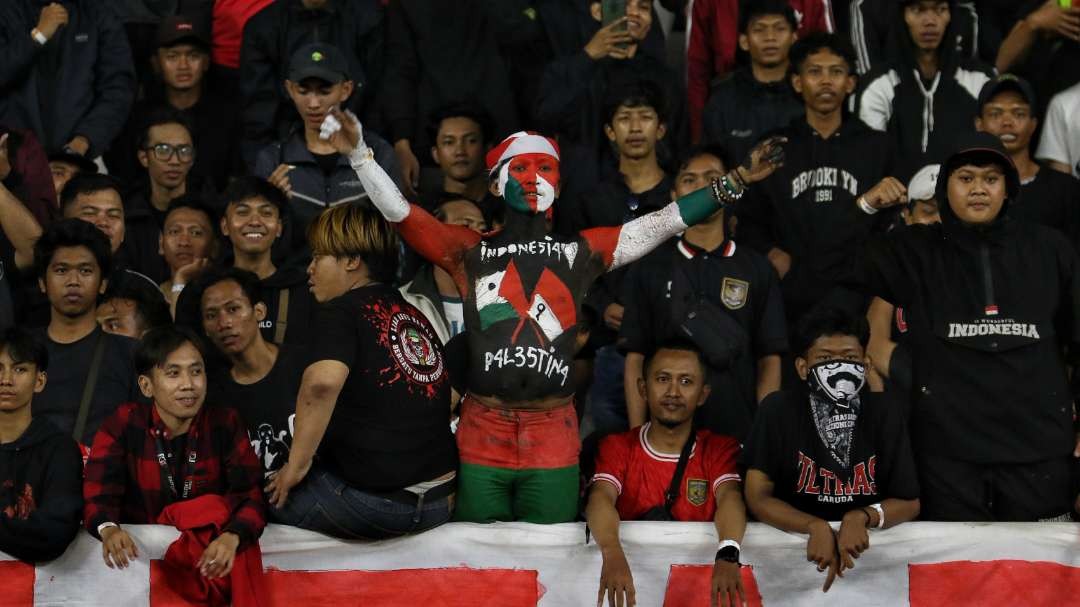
69, 365
786, 446
391, 426
268, 406
742, 284
1052, 199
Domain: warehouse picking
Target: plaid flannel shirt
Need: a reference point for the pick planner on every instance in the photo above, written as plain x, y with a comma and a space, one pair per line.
125, 484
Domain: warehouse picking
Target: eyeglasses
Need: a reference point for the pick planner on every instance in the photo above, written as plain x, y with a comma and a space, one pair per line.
164, 151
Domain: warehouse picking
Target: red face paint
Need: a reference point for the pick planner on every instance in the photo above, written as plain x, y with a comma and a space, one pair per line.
538, 175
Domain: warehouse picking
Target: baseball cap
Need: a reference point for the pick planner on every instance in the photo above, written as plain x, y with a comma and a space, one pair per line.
318, 60
978, 148
177, 29
1006, 82
924, 184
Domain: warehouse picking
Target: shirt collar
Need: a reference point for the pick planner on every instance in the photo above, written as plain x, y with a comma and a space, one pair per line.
690, 251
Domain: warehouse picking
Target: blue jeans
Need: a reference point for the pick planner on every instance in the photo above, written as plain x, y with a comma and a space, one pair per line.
323, 502
607, 399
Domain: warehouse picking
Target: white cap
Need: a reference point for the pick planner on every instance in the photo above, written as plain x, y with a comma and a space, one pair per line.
923, 186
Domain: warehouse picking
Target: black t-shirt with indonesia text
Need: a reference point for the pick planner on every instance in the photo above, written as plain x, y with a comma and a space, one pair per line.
391, 426
784, 444
268, 406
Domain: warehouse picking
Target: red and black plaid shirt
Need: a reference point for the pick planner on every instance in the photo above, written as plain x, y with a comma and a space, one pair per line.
125, 484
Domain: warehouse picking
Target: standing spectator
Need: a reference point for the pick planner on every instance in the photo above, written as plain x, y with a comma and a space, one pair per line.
878, 37
755, 99
1007, 111
67, 73
1060, 143
181, 58
714, 33
275, 34
148, 459
188, 243
441, 52
801, 218
743, 298
991, 417
142, 20
41, 486
831, 449
927, 96
460, 135
1043, 46
92, 371
634, 473
375, 399
167, 152
131, 306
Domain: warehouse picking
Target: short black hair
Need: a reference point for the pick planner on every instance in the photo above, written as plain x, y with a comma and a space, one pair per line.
708, 149
249, 188
23, 348
822, 41
87, 183
194, 203
159, 116
752, 9
150, 304
640, 93
248, 281
445, 198
681, 344
461, 109
72, 232
825, 321
155, 347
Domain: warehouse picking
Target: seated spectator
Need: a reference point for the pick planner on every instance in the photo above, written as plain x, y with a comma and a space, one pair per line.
146, 459
926, 97
1060, 143
41, 487
831, 450
261, 379
985, 298
755, 99
704, 265
24, 169
92, 371
460, 135
65, 165
715, 31
133, 241
433, 291
78, 52
887, 348
131, 306
1043, 45
304, 165
1007, 111
180, 55
641, 475
255, 218
374, 401
275, 33
188, 243
877, 35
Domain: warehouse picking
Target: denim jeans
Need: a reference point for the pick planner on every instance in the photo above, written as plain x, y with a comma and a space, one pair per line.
323, 502
607, 398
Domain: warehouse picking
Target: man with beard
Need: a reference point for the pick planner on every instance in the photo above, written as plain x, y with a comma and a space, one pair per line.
831, 450
91, 371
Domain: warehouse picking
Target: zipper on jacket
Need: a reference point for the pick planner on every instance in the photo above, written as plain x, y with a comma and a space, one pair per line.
991, 308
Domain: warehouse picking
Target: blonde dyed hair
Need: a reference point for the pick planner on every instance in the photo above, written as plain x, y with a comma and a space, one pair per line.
355, 230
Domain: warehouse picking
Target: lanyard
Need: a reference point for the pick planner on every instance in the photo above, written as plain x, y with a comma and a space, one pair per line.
162, 460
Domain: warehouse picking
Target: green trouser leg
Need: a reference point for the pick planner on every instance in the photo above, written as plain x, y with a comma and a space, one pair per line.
487, 493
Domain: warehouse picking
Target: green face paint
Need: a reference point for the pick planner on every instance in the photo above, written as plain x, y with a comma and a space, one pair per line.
514, 195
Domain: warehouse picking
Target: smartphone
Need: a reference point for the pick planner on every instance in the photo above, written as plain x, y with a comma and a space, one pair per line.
613, 10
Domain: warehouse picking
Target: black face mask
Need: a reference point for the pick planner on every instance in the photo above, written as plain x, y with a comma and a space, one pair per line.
835, 405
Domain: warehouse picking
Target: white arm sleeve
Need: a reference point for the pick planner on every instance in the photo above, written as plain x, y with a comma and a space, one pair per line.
377, 184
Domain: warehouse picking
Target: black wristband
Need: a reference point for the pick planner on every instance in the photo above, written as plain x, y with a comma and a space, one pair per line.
729, 554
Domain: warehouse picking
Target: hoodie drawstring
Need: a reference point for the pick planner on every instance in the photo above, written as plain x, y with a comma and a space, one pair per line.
928, 105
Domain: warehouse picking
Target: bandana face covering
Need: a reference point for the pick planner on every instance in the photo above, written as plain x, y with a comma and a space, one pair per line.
835, 404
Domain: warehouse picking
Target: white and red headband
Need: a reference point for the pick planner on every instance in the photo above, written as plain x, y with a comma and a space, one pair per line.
522, 142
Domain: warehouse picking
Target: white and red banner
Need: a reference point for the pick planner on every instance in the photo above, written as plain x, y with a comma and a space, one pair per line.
523, 565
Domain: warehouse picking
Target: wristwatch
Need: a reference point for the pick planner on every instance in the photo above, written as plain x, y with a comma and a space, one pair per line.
729, 551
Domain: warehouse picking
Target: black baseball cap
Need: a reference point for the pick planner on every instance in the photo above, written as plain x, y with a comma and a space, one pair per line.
178, 28
1006, 82
318, 60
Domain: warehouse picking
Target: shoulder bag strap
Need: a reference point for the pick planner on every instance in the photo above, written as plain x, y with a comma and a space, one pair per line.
89, 386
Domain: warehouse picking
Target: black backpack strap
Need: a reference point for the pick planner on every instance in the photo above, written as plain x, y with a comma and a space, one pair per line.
88, 387
680, 468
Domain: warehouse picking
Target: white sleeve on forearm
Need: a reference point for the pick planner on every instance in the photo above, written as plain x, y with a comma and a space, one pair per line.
378, 185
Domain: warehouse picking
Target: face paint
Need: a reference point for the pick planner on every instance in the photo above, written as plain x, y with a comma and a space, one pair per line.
528, 181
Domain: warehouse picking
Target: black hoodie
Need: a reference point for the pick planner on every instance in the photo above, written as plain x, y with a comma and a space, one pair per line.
40, 493
989, 310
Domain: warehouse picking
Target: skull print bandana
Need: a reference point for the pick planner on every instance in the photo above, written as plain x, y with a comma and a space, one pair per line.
835, 404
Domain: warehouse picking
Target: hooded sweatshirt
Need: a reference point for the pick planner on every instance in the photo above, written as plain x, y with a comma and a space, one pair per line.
40, 493
989, 309
922, 117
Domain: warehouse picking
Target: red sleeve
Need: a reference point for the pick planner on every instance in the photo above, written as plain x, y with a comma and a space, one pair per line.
612, 459
33, 165
817, 16
105, 484
721, 462
713, 23
441, 244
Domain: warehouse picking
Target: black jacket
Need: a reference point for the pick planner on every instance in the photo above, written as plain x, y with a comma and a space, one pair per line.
82, 82
988, 312
271, 37
807, 209
740, 109
40, 493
